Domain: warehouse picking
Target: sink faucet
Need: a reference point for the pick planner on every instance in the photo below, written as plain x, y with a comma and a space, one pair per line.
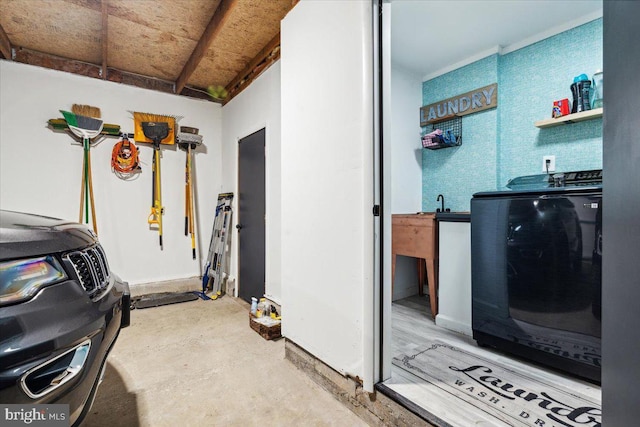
440, 199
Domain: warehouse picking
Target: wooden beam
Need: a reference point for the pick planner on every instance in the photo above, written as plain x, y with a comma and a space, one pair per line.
210, 33
105, 31
86, 69
5, 44
194, 92
266, 50
131, 79
31, 57
269, 54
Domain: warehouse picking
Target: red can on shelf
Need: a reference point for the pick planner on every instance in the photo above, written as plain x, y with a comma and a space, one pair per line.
560, 108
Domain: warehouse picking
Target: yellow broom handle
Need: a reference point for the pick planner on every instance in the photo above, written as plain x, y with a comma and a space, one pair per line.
159, 195
155, 217
191, 203
186, 198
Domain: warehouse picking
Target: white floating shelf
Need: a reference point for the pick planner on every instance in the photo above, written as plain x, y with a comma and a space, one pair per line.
571, 118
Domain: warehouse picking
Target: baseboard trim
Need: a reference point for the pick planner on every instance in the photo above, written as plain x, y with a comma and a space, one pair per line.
454, 325
177, 285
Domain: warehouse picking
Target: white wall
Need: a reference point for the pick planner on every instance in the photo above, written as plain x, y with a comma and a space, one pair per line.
406, 156
257, 107
406, 165
327, 180
40, 170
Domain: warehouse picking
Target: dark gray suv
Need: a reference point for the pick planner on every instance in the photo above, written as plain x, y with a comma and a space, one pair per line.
61, 310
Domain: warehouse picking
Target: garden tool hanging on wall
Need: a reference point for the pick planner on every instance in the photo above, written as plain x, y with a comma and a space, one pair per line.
84, 122
188, 140
155, 129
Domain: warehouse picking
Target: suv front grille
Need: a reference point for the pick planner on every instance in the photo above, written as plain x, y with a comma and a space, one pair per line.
91, 268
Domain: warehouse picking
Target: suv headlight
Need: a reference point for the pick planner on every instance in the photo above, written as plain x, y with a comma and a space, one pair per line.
20, 280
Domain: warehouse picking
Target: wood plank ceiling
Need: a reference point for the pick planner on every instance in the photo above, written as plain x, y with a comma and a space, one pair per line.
173, 46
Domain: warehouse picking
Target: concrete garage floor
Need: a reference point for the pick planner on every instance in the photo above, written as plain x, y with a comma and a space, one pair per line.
199, 363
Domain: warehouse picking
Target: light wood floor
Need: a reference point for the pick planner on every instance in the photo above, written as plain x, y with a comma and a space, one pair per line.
412, 327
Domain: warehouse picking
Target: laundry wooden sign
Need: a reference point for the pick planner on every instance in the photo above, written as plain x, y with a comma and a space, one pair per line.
468, 103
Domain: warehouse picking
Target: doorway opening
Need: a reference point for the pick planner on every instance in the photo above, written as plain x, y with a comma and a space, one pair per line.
414, 178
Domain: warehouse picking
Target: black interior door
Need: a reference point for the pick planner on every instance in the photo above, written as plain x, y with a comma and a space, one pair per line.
621, 252
251, 216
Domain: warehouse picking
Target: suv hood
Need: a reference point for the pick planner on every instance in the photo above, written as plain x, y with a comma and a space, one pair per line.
25, 235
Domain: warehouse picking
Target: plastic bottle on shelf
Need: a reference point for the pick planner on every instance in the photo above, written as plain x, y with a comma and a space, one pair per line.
597, 90
580, 89
254, 305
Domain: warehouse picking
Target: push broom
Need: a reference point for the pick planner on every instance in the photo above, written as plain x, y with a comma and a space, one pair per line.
84, 122
155, 129
188, 139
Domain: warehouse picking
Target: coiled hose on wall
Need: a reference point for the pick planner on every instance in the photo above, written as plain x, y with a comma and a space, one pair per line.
124, 158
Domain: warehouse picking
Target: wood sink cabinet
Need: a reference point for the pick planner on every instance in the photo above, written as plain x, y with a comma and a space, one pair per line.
416, 235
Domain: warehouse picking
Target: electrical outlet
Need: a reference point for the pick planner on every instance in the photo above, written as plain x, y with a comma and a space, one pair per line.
549, 164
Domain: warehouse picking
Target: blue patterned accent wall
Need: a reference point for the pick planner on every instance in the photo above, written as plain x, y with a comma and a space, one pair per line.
503, 143
458, 172
532, 78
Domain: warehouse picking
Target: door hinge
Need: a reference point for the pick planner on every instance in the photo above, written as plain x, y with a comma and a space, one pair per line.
376, 210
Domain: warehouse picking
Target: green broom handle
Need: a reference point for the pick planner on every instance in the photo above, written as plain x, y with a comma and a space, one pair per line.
86, 179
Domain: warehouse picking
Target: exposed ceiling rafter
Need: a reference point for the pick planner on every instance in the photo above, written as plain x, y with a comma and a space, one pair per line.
105, 33
86, 69
267, 56
5, 44
103, 38
213, 28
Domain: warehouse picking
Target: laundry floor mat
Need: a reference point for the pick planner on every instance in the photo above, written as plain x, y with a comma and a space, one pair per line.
510, 394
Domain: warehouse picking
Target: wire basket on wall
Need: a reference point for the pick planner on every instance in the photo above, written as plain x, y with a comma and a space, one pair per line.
443, 134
